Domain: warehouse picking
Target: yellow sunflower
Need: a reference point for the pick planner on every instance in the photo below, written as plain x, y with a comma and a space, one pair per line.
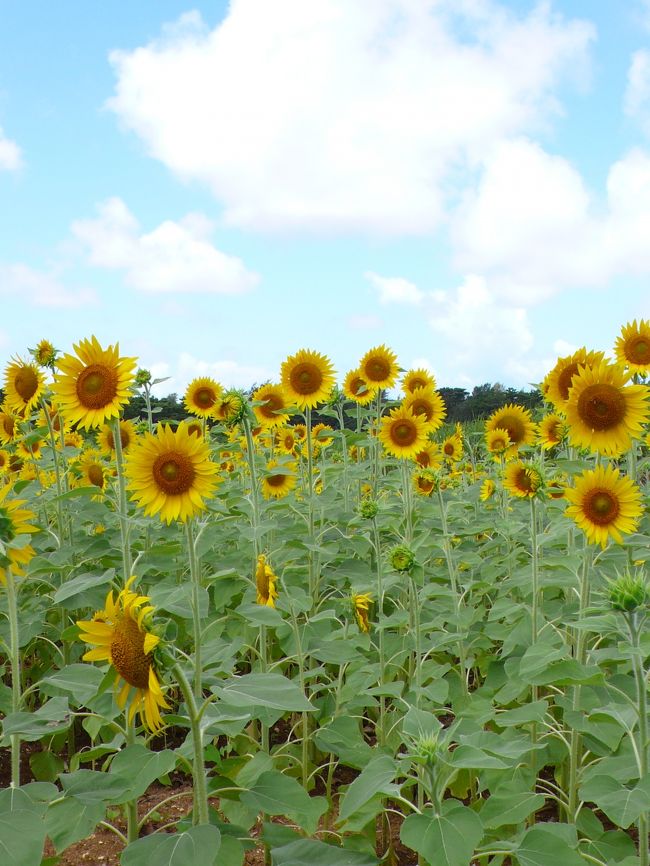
230, 407
522, 479
357, 389
604, 413
427, 402
300, 432
633, 347
430, 457
265, 580
73, 439
5, 458
414, 379
279, 480
379, 367
403, 433
425, 481
94, 385
121, 636
286, 440
551, 431
106, 438
8, 425
14, 521
170, 473
202, 396
44, 354
497, 442
361, 602
23, 387
307, 378
604, 503
452, 448
321, 434
93, 472
194, 427
30, 448
557, 382
487, 489
516, 420
271, 410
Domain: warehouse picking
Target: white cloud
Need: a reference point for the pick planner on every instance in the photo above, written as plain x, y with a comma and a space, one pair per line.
364, 322
339, 115
562, 348
174, 257
533, 228
229, 373
637, 93
10, 154
41, 289
395, 290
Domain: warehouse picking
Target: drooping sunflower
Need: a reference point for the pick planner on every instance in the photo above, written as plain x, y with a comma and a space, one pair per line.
361, 602
307, 378
14, 521
414, 379
604, 503
430, 457
265, 581
522, 479
427, 402
633, 347
497, 442
23, 386
487, 489
94, 385
271, 410
73, 439
279, 480
230, 407
551, 430
452, 448
357, 389
516, 420
121, 636
170, 473
605, 413
557, 383
379, 367
201, 396
403, 433
106, 438
8, 425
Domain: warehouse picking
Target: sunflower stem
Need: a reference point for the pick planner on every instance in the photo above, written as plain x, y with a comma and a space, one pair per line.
534, 611
131, 806
195, 577
381, 732
201, 814
121, 486
453, 579
14, 652
640, 678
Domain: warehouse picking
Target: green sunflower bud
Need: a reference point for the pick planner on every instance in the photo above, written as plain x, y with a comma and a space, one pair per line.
628, 592
402, 558
368, 508
142, 377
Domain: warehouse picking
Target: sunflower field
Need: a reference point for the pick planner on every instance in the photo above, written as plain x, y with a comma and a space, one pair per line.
253, 638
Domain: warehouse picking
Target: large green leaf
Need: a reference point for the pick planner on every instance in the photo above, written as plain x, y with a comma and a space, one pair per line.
263, 690
541, 847
22, 836
445, 839
70, 819
376, 778
309, 852
138, 767
621, 804
82, 583
91, 786
504, 809
198, 846
343, 737
52, 717
81, 681
277, 794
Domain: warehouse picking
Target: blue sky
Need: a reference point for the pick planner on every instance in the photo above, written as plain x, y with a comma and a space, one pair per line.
218, 185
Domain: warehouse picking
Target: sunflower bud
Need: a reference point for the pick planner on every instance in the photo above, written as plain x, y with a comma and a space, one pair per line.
428, 749
368, 508
628, 592
402, 558
142, 377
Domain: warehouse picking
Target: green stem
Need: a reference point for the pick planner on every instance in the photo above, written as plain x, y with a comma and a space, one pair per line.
453, 579
14, 652
201, 815
121, 486
644, 745
131, 806
381, 733
195, 577
303, 686
534, 612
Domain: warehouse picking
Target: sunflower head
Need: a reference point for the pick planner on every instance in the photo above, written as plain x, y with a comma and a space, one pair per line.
429, 404
415, 379
322, 434
279, 480
604, 504
307, 378
9, 425
558, 381
201, 396
629, 592
452, 448
633, 347
231, 407
551, 430
487, 489
430, 457
356, 388
497, 442
14, 521
270, 405
425, 481
23, 386
522, 479
106, 438
44, 354
379, 367
403, 433
516, 421
360, 607
265, 581
402, 558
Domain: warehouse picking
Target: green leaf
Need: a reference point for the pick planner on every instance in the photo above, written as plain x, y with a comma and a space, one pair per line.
309, 852
138, 767
70, 820
343, 737
91, 786
45, 765
376, 778
52, 717
263, 690
500, 810
82, 583
22, 837
81, 681
277, 794
177, 599
541, 847
447, 839
532, 712
621, 804
474, 758
17, 799
198, 846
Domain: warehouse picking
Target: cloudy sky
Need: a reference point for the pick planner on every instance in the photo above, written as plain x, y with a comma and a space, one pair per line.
220, 184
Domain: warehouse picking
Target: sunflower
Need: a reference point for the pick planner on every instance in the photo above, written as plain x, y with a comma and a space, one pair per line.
452, 448
271, 410
121, 636
170, 473
8, 425
5, 459
14, 521
230, 407
92, 471
57, 421
557, 382
360, 606
414, 379
44, 354
106, 438
522, 479
94, 385
516, 420
633, 347
556, 486
497, 442
202, 396
265, 580
30, 448
357, 389
286, 440
279, 480
427, 402
357, 453
425, 481
194, 427
300, 432
321, 434
379, 368
604, 503
307, 378
430, 457
403, 433
603, 411
73, 439
23, 387
551, 430
487, 489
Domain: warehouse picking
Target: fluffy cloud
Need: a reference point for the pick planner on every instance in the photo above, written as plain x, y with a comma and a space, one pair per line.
10, 155
395, 290
229, 373
533, 228
41, 289
339, 115
174, 257
637, 93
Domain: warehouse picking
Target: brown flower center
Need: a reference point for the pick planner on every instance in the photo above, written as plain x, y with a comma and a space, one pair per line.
377, 370
637, 351
306, 378
404, 433
449, 449
276, 480
514, 427
417, 383
272, 404
565, 378
601, 406
423, 458
205, 398
425, 485
127, 653
601, 507
422, 407
96, 386
173, 473
26, 383
96, 475
524, 481
8, 425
